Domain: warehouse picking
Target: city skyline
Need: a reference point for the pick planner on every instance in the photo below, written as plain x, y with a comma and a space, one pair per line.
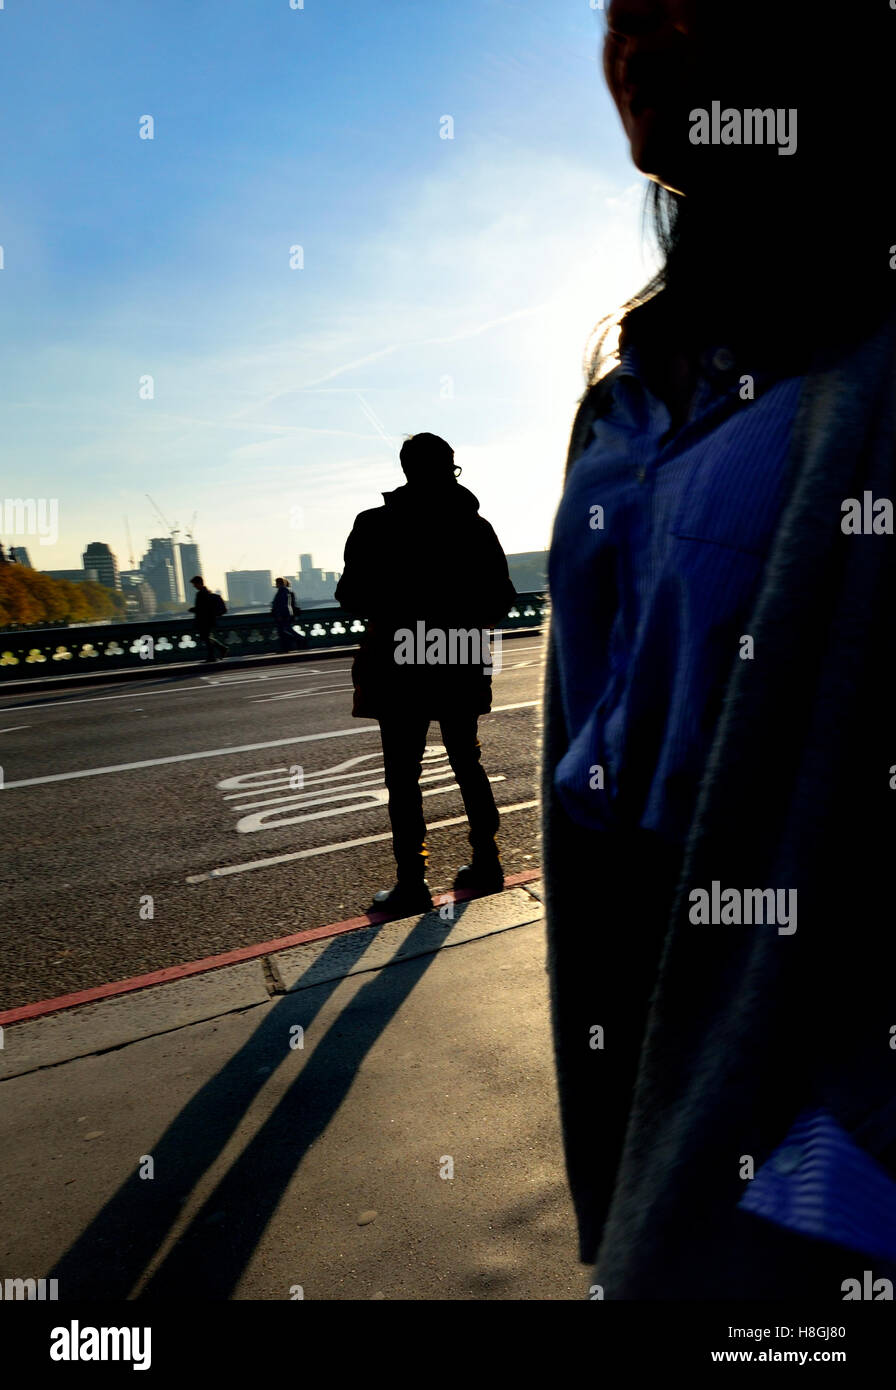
167, 567
185, 562
146, 586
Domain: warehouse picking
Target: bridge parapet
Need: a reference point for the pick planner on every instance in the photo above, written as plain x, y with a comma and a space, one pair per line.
164, 641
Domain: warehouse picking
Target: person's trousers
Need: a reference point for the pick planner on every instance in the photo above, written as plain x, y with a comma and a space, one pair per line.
207, 635
404, 743
289, 640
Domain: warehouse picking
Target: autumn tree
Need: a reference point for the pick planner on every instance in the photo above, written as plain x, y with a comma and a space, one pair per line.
31, 599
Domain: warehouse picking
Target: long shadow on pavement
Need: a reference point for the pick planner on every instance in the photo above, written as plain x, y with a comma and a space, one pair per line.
109, 1258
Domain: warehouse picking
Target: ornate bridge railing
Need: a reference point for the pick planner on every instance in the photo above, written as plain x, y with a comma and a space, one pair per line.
160, 641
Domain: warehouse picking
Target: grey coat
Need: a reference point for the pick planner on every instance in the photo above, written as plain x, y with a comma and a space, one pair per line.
717, 1036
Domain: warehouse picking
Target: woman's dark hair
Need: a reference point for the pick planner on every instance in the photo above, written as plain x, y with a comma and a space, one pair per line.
784, 256
661, 219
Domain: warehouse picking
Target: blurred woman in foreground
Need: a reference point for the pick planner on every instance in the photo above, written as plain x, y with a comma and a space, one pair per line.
720, 749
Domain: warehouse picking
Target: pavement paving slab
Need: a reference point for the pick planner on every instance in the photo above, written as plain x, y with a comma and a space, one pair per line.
92, 1028
388, 1134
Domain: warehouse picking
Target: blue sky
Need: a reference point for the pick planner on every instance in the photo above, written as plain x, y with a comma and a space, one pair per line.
448, 285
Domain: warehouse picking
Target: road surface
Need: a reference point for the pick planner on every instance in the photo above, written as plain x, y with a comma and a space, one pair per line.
153, 824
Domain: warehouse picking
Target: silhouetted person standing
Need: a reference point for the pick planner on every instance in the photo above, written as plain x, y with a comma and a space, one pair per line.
428, 572
285, 611
208, 609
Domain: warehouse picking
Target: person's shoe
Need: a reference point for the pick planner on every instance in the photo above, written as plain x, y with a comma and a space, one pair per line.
482, 876
404, 900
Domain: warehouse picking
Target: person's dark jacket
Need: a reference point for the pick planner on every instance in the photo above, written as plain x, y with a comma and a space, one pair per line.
425, 556
284, 606
745, 1027
206, 608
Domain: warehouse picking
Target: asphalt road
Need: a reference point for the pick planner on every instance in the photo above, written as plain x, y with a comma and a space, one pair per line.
93, 842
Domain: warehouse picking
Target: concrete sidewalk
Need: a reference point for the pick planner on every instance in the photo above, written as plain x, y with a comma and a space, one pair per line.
369, 1115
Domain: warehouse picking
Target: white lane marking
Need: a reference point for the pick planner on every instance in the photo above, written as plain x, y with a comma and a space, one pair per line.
253, 677
269, 779
297, 694
307, 786
347, 787
208, 685
375, 798
189, 757
100, 699
217, 752
330, 849
335, 689
15, 728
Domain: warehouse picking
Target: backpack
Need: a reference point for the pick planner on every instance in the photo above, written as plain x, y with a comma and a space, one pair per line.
219, 607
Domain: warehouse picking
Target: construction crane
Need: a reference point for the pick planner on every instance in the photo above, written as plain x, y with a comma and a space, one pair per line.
127, 531
173, 531
189, 530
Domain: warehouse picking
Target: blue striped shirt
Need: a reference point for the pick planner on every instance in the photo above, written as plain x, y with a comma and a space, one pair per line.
658, 548
821, 1184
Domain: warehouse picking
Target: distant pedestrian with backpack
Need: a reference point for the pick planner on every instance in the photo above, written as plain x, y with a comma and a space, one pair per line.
208, 608
285, 611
